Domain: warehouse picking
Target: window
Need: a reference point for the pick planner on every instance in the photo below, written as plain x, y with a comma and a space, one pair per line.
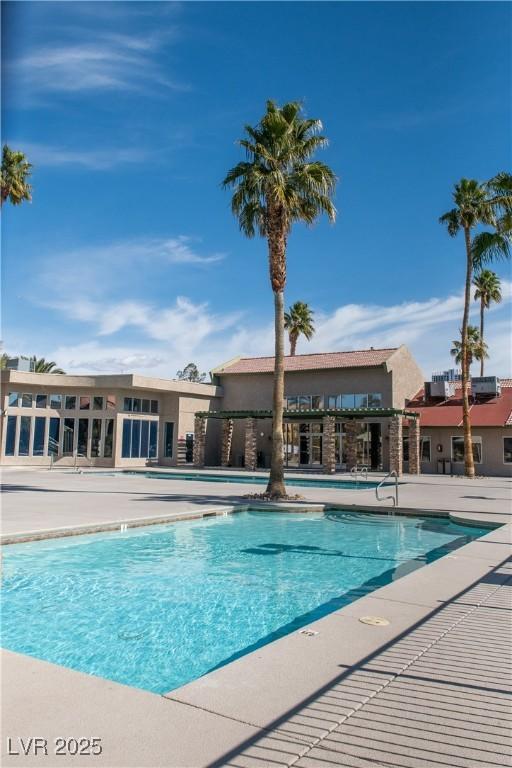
347, 401
375, 400
507, 450
70, 403
41, 401
96, 437
169, 435
69, 436
458, 449
53, 436
139, 439
109, 438
10, 437
111, 402
153, 439
83, 433
333, 401
405, 447
425, 452
85, 403
360, 401
24, 441
128, 404
136, 404
14, 399
292, 403
39, 428
304, 402
97, 403
26, 401
145, 406
154, 406
317, 401
55, 401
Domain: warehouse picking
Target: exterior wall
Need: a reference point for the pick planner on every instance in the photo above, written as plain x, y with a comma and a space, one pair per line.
177, 402
492, 450
406, 377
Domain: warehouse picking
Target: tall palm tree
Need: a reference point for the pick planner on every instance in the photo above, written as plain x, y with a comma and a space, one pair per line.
488, 290
44, 366
299, 321
14, 177
476, 204
277, 185
476, 347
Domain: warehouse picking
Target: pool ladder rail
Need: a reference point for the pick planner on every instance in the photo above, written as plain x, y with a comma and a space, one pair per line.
363, 470
394, 498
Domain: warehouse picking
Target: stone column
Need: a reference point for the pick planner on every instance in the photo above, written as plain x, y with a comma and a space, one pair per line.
199, 440
414, 447
329, 445
227, 436
396, 445
250, 444
352, 429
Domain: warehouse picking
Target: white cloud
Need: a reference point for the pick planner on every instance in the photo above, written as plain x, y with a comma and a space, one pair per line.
110, 62
92, 159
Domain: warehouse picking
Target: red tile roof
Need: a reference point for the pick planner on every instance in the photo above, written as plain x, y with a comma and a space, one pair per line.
364, 358
491, 412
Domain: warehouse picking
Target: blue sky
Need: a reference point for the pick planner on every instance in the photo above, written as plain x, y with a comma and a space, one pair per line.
128, 257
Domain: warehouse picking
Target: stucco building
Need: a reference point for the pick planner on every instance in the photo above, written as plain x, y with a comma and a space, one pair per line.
367, 408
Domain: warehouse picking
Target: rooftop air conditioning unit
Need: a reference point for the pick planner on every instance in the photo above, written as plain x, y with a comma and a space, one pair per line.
439, 389
485, 385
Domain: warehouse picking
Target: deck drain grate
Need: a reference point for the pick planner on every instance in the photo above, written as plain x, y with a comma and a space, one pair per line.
374, 621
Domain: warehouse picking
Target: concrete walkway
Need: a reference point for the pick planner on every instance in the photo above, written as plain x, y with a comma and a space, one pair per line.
429, 687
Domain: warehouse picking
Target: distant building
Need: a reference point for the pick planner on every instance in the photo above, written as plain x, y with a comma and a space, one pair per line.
369, 407
453, 374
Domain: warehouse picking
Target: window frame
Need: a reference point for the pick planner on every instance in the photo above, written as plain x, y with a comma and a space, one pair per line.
46, 400
475, 439
506, 437
426, 439
51, 404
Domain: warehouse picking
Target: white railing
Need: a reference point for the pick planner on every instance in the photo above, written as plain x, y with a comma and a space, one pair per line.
394, 498
81, 456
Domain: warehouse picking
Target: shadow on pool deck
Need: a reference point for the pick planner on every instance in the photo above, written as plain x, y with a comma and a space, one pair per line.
435, 695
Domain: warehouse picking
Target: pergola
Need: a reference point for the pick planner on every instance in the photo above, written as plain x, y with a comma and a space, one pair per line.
328, 416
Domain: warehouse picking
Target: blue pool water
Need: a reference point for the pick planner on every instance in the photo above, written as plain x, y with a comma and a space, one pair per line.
159, 606
304, 482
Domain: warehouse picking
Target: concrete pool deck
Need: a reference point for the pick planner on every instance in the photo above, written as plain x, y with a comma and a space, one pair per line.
428, 689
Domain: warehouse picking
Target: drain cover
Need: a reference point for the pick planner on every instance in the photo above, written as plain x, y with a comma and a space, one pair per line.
308, 632
375, 621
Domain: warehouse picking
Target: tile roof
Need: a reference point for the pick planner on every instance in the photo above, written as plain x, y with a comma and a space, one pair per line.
489, 412
364, 358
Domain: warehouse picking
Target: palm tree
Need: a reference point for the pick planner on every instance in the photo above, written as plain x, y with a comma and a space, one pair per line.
488, 290
279, 184
298, 321
14, 177
40, 365
476, 204
476, 347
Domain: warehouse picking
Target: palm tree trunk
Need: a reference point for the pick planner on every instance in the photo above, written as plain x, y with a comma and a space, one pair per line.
469, 465
276, 487
482, 310
293, 344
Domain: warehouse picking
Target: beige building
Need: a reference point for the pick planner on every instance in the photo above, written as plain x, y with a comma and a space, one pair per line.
365, 408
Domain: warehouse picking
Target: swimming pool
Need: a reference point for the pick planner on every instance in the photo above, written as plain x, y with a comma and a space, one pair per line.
159, 606
304, 482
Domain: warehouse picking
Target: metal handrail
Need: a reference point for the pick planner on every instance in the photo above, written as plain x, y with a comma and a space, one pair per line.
394, 498
356, 470
76, 455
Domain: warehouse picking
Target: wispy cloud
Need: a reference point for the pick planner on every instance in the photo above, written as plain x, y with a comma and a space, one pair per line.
91, 159
118, 62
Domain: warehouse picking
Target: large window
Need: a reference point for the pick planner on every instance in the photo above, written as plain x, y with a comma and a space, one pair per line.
96, 437
53, 436
109, 438
41, 401
169, 436
10, 437
70, 403
97, 402
375, 400
458, 449
111, 401
26, 401
39, 429
85, 403
139, 439
83, 433
69, 436
425, 449
55, 401
507, 450
24, 442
